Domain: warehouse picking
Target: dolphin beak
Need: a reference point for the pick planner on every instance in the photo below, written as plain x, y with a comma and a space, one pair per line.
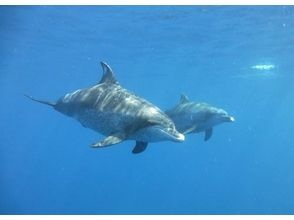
231, 119
181, 137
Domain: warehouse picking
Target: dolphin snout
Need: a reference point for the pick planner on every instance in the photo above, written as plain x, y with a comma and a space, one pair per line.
180, 137
227, 118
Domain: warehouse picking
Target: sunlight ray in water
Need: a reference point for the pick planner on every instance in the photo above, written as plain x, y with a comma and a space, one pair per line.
263, 67
258, 71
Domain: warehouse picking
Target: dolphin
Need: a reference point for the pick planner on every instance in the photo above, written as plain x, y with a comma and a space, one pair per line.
118, 114
192, 117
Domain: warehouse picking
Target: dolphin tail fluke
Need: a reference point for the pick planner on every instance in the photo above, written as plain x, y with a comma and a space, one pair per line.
40, 101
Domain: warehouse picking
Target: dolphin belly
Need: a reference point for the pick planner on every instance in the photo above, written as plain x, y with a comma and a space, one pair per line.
105, 123
156, 134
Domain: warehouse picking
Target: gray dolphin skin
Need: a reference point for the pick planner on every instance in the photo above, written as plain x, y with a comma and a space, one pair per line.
192, 117
116, 113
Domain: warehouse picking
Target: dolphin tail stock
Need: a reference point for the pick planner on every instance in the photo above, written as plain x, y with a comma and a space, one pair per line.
40, 101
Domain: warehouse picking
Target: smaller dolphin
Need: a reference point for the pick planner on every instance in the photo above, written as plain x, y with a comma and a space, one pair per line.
192, 117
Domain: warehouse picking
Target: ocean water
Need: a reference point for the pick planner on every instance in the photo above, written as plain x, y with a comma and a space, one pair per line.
239, 58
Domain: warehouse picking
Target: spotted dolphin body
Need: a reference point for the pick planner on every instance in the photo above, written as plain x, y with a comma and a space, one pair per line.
113, 111
192, 117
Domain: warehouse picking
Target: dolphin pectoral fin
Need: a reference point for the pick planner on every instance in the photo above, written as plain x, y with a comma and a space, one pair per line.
208, 134
140, 147
110, 140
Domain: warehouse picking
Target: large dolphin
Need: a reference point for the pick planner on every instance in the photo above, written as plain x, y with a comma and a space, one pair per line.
192, 117
115, 112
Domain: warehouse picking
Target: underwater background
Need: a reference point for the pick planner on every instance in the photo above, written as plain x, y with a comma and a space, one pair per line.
239, 58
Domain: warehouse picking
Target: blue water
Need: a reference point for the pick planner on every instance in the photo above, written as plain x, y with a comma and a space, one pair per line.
208, 53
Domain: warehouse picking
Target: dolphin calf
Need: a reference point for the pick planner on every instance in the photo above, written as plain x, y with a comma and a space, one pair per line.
118, 114
192, 117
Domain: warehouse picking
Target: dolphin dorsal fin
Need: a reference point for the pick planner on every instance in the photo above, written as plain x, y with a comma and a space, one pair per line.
184, 99
108, 75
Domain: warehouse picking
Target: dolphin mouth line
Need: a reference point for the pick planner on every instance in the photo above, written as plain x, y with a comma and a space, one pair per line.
179, 138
